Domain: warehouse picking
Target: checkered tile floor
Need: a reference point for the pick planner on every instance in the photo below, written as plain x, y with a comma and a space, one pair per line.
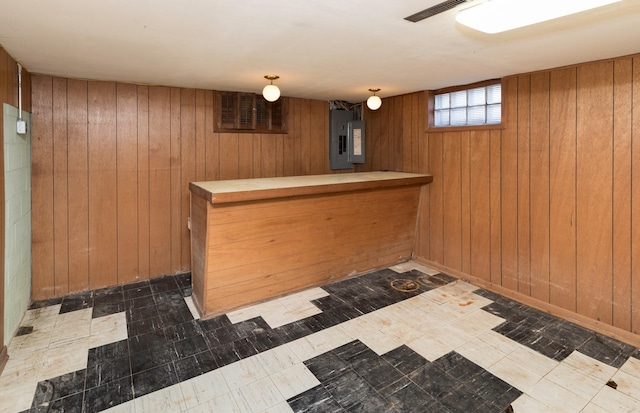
436, 344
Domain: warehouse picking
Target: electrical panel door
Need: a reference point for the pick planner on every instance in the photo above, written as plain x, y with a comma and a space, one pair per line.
347, 140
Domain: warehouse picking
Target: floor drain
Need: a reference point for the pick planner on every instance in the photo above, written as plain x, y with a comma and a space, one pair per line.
404, 285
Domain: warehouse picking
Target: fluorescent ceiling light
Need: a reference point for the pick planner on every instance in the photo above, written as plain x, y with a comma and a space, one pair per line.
495, 16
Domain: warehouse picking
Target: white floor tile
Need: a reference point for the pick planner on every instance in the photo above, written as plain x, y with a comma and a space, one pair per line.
169, 400
527, 404
532, 361
243, 372
589, 366
294, 380
429, 347
514, 374
481, 353
277, 359
257, 396
381, 343
40, 313
632, 367
282, 407
128, 407
556, 397
615, 401
201, 389
224, 403
574, 381
108, 329
627, 384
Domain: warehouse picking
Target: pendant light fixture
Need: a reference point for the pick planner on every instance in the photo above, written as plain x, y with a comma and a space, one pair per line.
374, 102
271, 92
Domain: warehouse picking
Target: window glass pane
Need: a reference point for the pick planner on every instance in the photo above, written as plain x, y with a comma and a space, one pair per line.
476, 115
458, 117
476, 96
494, 113
442, 101
459, 99
494, 93
442, 117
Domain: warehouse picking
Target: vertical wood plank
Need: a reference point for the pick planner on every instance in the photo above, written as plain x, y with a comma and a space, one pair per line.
452, 199
42, 279
635, 202
509, 192
374, 139
159, 180
416, 131
436, 198
78, 179
176, 182
423, 167
407, 132
465, 202
384, 141
268, 156
524, 215
229, 156
103, 219
188, 168
480, 202
246, 155
60, 188
201, 158
256, 144
289, 140
212, 141
622, 149
127, 181
562, 188
594, 193
318, 140
305, 137
396, 130
539, 186
495, 178
143, 182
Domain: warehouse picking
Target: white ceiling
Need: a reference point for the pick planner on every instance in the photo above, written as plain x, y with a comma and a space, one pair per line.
321, 49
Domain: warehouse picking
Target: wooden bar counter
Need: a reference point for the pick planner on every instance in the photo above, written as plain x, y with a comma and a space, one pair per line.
254, 239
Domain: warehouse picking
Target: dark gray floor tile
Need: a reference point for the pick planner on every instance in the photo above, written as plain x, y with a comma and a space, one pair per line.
154, 379
405, 396
108, 371
111, 351
326, 366
607, 350
405, 359
108, 395
48, 391
434, 381
195, 365
315, 400
190, 346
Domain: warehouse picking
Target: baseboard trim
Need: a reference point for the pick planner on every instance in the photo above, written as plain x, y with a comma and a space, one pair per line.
597, 326
4, 357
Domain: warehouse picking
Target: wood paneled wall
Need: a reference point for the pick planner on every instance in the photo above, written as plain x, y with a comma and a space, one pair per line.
546, 207
111, 168
8, 94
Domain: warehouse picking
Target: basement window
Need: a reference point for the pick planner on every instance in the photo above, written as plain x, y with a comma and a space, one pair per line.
474, 105
250, 113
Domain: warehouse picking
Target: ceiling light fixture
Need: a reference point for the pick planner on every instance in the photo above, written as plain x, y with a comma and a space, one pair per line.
271, 91
495, 16
374, 102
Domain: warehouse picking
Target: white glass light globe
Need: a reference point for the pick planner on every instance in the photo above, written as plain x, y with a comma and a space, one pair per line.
374, 102
271, 93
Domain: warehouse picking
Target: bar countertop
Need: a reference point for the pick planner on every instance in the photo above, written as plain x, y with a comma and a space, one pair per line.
242, 190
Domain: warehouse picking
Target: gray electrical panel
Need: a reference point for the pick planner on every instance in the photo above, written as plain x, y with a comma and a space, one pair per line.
347, 140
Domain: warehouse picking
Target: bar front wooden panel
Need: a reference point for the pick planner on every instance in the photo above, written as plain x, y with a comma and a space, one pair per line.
245, 252
552, 198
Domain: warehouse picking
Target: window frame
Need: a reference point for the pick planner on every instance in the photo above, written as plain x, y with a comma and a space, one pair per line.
431, 107
254, 128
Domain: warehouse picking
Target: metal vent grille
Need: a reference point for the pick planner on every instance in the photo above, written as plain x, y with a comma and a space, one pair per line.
433, 10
